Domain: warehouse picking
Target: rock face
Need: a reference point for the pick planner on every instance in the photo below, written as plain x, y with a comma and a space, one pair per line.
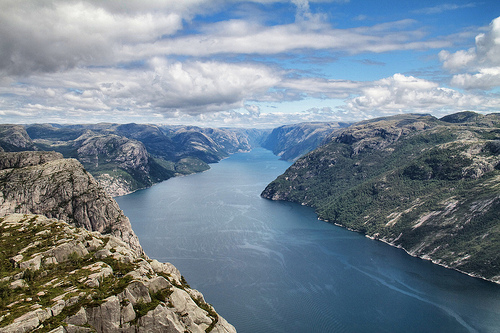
27, 158
427, 185
15, 138
292, 141
120, 164
66, 279
45, 183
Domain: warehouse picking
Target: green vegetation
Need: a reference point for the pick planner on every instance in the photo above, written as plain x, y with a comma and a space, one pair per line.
434, 191
64, 282
52, 280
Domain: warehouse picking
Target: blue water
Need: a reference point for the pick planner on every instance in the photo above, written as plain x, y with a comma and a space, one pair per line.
273, 267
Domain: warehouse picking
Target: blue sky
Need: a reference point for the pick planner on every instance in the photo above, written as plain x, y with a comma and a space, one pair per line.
259, 63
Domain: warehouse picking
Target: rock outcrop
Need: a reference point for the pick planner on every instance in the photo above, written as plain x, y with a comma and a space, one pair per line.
430, 186
26, 158
15, 138
59, 278
45, 183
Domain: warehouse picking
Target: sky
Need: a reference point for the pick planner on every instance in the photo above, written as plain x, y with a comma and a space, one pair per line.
231, 63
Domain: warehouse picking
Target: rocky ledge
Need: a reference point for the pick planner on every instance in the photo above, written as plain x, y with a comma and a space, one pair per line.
59, 278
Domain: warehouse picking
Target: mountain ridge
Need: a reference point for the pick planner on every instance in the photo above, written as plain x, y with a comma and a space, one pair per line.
427, 185
128, 157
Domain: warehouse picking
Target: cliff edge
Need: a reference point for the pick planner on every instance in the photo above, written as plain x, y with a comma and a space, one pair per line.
46, 183
58, 278
70, 261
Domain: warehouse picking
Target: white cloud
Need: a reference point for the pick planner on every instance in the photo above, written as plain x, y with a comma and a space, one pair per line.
241, 37
443, 8
458, 60
39, 36
480, 64
401, 93
235, 118
166, 88
487, 78
320, 88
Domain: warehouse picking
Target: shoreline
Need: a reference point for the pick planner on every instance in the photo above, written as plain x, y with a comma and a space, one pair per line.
433, 261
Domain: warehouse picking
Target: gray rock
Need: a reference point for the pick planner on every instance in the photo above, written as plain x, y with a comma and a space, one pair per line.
61, 188
159, 283
18, 284
105, 317
136, 292
127, 314
27, 158
160, 320
78, 319
64, 251
33, 264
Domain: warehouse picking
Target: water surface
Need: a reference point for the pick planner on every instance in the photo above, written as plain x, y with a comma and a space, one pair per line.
273, 267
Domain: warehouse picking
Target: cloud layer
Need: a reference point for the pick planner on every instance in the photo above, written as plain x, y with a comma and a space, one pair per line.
481, 63
154, 61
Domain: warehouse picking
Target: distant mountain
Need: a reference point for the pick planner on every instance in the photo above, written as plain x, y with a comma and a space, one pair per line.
126, 157
428, 185
15, 138
292, 141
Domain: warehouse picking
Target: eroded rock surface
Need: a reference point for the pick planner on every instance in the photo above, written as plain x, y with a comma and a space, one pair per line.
63, 189
75, 280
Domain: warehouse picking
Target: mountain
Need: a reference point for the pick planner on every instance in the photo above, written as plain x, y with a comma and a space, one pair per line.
56, 277
292, 141
120, 164
430, 186
15, 138
127, 157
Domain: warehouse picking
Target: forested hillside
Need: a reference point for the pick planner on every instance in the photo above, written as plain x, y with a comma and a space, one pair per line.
428, 185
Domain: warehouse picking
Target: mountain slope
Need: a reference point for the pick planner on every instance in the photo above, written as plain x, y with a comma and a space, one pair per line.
427, 185
292, 141
58, 278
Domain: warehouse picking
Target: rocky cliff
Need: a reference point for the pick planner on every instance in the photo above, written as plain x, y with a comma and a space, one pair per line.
58, 278
292, 141
45, 183
428, 185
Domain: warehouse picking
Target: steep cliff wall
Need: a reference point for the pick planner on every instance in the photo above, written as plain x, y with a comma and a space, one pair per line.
292, 141
45, 183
